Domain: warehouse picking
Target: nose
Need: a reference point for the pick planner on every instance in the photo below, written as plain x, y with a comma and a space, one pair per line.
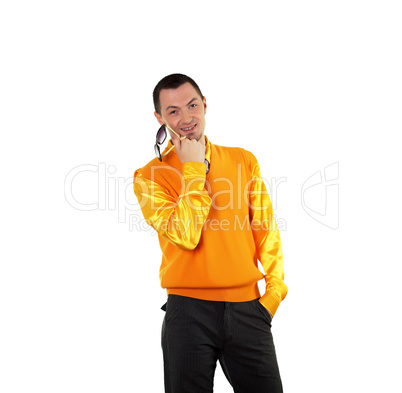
186, 117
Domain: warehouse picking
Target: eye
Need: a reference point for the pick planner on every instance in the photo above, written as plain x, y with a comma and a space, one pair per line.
193, 105
172, 112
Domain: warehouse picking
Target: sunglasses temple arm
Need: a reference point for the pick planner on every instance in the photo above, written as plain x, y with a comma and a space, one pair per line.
163, 155
174, 132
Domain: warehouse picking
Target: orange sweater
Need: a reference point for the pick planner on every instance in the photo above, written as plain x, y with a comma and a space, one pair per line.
213, 227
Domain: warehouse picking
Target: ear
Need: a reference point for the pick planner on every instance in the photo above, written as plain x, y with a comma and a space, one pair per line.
159, 118
204, 101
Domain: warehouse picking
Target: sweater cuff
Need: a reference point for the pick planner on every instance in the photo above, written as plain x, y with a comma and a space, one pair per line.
270, 302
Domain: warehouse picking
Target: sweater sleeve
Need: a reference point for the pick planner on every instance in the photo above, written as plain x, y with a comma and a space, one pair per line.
180, 220
267, 240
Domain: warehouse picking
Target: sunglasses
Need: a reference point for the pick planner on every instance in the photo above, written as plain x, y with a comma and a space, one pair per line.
160, 138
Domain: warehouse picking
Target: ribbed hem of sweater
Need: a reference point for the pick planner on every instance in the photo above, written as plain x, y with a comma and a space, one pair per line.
236, 294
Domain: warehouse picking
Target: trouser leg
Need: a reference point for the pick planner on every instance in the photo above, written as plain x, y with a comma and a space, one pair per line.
248, 357
189, 334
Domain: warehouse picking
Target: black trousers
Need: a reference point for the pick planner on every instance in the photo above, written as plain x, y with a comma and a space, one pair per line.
197, 333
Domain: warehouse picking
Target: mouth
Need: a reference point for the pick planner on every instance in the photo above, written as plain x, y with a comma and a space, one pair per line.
188, 129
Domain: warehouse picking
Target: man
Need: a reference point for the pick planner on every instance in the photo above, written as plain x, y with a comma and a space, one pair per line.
214, 220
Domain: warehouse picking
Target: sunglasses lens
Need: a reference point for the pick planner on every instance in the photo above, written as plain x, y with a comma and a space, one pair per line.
157, 151
161, 135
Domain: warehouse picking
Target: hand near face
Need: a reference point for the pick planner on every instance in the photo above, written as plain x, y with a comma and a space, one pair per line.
190, 149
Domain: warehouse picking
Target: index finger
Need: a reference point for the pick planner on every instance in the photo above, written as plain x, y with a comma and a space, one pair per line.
176, 141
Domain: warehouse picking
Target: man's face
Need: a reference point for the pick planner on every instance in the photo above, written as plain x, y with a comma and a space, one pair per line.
183, 110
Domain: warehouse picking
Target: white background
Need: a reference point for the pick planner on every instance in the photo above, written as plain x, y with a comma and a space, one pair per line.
303, 85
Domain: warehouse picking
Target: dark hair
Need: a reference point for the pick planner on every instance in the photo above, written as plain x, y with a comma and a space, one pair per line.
172, 81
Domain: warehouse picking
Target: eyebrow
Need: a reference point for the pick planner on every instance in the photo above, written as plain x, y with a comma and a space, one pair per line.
174, 107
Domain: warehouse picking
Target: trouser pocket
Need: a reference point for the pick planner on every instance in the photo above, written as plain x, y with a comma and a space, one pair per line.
172, 307
263, 311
